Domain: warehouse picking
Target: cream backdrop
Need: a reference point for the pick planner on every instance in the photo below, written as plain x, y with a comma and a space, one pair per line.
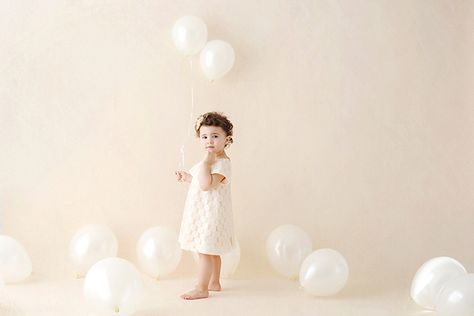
353, 120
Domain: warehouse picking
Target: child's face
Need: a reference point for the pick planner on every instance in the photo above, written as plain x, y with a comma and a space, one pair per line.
213, 138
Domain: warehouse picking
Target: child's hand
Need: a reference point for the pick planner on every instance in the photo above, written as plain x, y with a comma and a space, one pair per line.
182, 176
209, 158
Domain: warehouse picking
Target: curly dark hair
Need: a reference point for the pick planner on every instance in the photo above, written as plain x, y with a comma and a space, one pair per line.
215, 119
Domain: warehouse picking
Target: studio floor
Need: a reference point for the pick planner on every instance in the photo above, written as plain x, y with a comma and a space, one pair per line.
257, 296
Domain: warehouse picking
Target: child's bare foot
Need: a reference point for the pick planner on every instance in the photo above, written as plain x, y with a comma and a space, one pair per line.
214, 287
195, 294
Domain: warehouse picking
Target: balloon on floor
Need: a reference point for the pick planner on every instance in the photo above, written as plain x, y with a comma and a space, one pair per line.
158, 251
457, 297
430, 279
15, 263
287, 246
114, 285
90, 244
324, 272
230, 261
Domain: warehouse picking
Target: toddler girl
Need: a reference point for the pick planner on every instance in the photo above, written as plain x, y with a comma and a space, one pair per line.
207, 224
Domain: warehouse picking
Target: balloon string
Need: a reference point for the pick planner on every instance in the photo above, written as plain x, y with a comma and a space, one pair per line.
192, 98
191, 114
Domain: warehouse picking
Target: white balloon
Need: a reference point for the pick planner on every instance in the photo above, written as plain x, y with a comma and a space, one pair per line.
229, 261
158, 251
114, 285
287, 246
457, 297
431, 277
189, 35
15, 264
90, 244
324, 272
216, 59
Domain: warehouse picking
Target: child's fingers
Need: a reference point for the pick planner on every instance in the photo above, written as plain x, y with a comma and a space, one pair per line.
180, 175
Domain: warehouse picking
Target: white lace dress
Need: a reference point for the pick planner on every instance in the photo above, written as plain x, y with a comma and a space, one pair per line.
207, 225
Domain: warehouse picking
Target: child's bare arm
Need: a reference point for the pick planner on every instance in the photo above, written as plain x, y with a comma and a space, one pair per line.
208, 181
183, 176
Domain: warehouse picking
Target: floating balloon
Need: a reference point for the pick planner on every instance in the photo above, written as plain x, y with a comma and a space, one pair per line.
287, 246
324, 272
15, 264
114, 285
189, 35
216, 59
90, 244
457, 297
230, 261
430, 279
158, 251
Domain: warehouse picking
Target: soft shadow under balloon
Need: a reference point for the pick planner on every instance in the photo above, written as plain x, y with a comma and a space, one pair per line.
32, 279
354, 290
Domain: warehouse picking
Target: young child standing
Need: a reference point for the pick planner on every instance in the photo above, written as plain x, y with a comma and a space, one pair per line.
207, 224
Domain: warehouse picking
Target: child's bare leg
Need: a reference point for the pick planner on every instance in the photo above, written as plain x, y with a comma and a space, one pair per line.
204, 275
214, 282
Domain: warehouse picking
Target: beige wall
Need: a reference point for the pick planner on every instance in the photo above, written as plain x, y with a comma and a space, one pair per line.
353, 120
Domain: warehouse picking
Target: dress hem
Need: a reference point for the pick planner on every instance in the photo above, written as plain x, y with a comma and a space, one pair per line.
205, 251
